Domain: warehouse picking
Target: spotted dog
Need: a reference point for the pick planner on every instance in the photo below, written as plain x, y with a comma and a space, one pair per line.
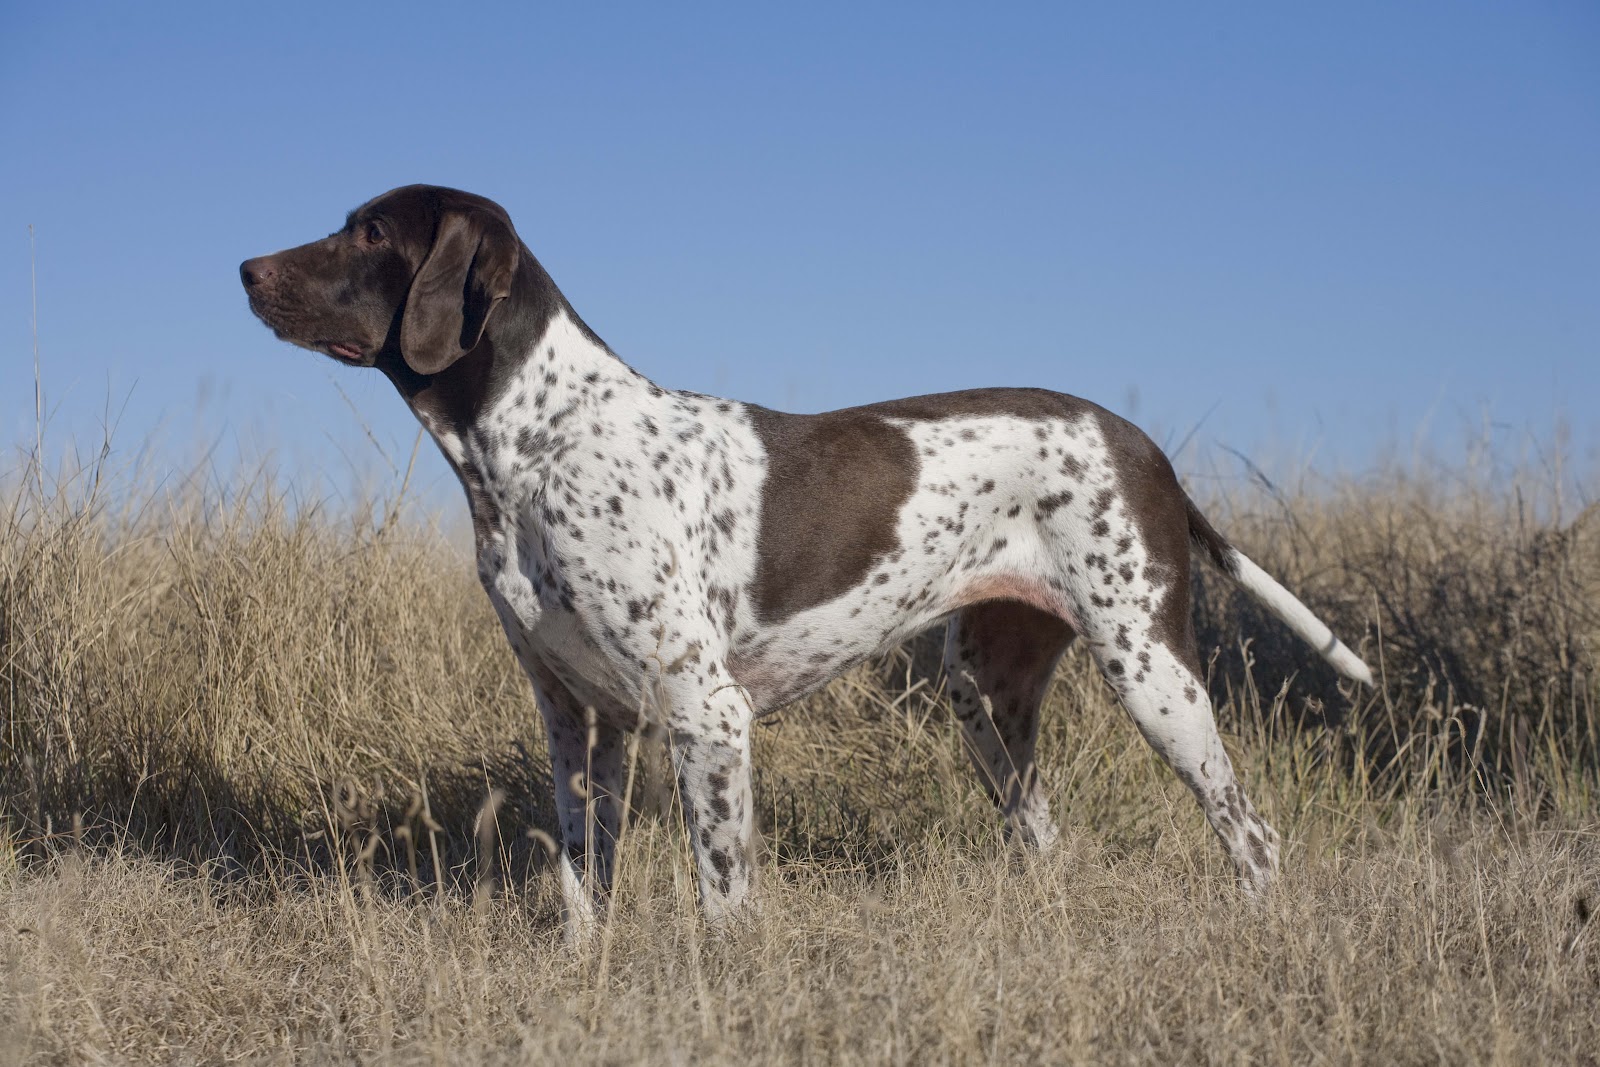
700, 562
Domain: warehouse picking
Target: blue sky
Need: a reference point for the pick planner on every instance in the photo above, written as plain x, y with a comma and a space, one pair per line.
1319, 235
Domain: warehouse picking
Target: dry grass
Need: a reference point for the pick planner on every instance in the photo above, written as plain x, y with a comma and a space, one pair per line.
247, 751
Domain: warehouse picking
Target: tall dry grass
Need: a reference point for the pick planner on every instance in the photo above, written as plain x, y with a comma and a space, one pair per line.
268, 776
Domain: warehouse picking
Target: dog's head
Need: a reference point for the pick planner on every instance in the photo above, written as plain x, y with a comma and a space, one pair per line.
414, 275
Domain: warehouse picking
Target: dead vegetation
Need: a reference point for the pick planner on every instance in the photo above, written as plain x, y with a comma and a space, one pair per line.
271, 788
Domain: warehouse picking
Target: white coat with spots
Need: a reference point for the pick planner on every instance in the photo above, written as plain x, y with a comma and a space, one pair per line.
688, 563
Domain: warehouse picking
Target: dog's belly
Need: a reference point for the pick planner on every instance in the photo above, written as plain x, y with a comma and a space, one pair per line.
780, 663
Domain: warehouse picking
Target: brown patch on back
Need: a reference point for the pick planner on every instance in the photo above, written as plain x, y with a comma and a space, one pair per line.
968, 403
834, 487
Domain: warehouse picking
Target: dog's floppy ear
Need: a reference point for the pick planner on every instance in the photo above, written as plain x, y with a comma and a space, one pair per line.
466, 273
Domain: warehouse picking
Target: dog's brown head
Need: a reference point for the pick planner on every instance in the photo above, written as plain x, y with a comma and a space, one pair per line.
414, 275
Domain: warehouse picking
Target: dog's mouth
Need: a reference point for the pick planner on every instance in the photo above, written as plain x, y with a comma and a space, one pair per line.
346, 353
290, 324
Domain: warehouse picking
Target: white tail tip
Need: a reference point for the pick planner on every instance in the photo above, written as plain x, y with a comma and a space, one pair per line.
1349, 664
1299, 618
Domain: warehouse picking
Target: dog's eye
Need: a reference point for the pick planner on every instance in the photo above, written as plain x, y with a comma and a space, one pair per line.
373, 234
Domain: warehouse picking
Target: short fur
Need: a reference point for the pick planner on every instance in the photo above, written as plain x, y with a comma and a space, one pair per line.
690, 563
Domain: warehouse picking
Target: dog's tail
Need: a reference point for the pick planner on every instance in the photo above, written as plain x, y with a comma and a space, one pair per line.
1278, 600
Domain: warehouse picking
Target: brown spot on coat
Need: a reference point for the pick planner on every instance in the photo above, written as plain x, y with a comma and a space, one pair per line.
835, 484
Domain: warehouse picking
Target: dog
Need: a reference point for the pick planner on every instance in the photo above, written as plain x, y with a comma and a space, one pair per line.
692, 563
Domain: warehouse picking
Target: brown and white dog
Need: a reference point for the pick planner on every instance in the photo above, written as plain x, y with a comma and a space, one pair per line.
700, 562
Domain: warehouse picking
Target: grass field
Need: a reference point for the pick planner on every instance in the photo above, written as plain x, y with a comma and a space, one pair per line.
268, 777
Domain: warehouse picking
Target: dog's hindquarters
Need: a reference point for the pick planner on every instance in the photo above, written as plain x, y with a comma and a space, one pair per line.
1168, 702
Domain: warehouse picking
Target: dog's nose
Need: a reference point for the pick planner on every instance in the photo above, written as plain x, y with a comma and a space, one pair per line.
254, 272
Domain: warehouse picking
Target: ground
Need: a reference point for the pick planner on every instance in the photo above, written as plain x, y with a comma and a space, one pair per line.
272, 790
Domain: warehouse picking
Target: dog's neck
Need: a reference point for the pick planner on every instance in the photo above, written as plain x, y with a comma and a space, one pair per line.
517, 337
536, 372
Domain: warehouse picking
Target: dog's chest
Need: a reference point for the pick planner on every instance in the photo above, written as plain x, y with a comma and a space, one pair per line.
533, 565
626, 535
548, 616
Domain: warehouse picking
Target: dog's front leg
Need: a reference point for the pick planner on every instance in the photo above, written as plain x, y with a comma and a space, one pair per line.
587, 756
711, 756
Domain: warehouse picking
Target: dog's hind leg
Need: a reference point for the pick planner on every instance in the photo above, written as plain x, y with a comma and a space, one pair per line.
1166, 698
999, 657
